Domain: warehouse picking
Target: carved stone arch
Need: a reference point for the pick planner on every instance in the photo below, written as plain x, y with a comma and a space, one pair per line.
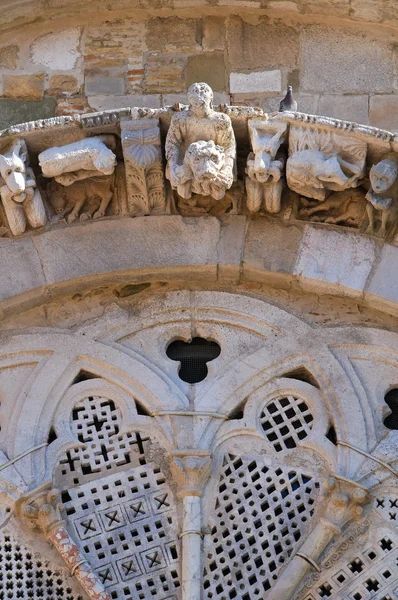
67, 356
339, 396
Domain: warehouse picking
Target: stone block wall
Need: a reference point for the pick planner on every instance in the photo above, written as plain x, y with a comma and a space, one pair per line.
342, 67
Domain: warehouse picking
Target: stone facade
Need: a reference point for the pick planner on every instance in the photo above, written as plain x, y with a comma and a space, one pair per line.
247, 51
199, 300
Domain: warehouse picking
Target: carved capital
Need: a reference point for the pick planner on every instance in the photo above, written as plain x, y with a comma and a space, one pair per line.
343, 499
191, 471
40, 509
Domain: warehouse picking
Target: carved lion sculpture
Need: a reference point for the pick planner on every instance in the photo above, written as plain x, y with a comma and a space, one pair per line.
383, 193
21, 199
202, 171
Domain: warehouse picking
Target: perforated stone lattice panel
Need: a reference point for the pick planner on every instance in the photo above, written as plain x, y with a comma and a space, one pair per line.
286, 421
261, 512
23, 574
125, 524
371, 575
388, 507
96, 421
119, 507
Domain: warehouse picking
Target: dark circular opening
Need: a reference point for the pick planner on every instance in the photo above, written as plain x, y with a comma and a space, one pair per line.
193, 357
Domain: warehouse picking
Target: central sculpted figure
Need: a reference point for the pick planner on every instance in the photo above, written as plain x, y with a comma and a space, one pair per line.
200, 147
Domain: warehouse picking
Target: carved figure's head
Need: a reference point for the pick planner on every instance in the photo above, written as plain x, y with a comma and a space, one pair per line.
200, 98
262, 168
57, 197
311, 172
383, 175
205, 160
12, 170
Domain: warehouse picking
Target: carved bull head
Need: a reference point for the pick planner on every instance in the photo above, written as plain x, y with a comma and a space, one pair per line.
12, 170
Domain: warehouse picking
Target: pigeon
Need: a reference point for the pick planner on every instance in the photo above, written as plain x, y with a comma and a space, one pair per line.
288, 103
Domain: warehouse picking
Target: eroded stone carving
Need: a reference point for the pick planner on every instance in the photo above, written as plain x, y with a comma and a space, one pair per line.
265, 166
200, 150
80, 160
341, 208
86, 167
383, 193
302, 167
21, 199
40, 509
321, 161
83, 199
342, 501
144, 169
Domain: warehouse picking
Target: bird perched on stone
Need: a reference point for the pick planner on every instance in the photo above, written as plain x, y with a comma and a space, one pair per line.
288, 103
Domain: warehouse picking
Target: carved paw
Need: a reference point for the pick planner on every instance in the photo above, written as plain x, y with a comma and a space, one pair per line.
382, 232
331, 220
84, 216
98, 214
71, 218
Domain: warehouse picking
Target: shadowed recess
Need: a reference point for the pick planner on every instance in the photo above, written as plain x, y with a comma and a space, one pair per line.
193, 357
391, 399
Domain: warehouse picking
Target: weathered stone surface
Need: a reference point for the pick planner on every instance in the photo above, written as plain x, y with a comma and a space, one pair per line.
261, 81
173, 35
261, 46
20, 111
25, 87
383, 111
62, 84
118, 44
164, 74
170, 99
71, 105
213, 33
367, 10
351, 108
335, 8
98, 103
336, 258
179, 242
57, 51
384, 281
20, 268
9, 56
110, 81
209, 68
271, 246
352, 62
284, 5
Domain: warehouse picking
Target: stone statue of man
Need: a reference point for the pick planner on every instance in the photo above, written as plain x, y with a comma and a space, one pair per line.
200, 147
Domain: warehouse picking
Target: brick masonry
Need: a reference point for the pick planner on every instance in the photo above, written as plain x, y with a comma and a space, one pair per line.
347, 71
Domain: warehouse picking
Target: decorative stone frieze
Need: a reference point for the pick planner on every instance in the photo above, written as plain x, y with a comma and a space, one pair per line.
196, 160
